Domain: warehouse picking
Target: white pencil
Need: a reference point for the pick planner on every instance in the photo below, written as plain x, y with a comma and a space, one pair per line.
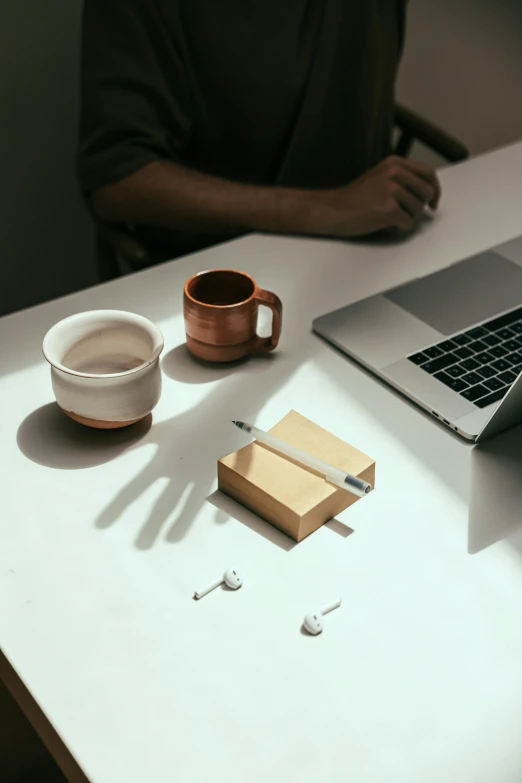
332, 474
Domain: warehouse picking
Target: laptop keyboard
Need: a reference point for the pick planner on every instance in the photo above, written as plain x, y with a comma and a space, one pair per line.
481, 363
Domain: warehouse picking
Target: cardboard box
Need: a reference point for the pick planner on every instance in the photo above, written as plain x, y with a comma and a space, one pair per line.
294, 498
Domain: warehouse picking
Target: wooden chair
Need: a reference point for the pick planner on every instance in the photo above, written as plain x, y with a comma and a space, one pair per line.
117, 247
413, 127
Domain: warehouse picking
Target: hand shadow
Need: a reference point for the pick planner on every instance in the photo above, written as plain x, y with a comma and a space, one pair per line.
50, 438
188, 448
496, 492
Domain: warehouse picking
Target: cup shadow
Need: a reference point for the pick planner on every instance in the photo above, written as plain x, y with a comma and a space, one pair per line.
181, 366
50, 438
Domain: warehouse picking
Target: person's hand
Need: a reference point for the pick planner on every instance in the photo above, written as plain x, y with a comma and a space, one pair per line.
392, 196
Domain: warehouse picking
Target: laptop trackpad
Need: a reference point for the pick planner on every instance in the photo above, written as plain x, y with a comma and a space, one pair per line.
473, 290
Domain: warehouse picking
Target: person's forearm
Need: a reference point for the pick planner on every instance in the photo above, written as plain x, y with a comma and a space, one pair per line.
169, 195
390, 196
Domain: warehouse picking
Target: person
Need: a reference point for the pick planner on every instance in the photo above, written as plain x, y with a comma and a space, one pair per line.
202, 120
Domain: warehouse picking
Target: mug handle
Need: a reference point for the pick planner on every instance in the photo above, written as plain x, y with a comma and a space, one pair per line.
272, 301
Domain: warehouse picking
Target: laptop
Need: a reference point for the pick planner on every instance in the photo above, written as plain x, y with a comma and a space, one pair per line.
450, 341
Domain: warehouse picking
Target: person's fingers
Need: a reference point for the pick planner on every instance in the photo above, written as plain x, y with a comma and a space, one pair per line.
400, 219
428, 173
410, 203
419, 187
395, 165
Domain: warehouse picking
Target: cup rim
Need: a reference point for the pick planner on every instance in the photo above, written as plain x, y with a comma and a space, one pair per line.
210, 271
124, 315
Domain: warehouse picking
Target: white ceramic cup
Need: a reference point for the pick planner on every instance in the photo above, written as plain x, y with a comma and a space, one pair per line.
105, 367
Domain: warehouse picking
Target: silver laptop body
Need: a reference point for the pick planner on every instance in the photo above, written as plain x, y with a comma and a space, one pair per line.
450, 341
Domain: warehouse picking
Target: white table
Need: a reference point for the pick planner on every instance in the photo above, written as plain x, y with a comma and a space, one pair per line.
103, 539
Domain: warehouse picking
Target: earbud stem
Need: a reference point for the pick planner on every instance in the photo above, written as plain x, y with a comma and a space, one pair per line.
330, 607
201, 593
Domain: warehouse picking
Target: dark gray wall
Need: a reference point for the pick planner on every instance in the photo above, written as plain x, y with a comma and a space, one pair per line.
462, 67
45, 234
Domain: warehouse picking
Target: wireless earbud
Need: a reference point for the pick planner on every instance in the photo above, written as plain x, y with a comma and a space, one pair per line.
314, 622
231, 578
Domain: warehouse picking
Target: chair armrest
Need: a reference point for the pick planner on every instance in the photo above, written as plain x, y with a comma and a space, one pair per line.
413, 128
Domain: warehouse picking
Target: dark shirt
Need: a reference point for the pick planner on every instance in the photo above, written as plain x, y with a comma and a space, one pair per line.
277, 92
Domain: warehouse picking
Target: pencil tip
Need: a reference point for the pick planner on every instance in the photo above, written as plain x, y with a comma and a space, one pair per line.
234, 422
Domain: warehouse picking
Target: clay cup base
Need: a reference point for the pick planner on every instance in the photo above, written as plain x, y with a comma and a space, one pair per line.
98, 424
218, 354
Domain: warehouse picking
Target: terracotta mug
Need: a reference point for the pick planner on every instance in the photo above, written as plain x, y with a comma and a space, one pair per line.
220, 308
